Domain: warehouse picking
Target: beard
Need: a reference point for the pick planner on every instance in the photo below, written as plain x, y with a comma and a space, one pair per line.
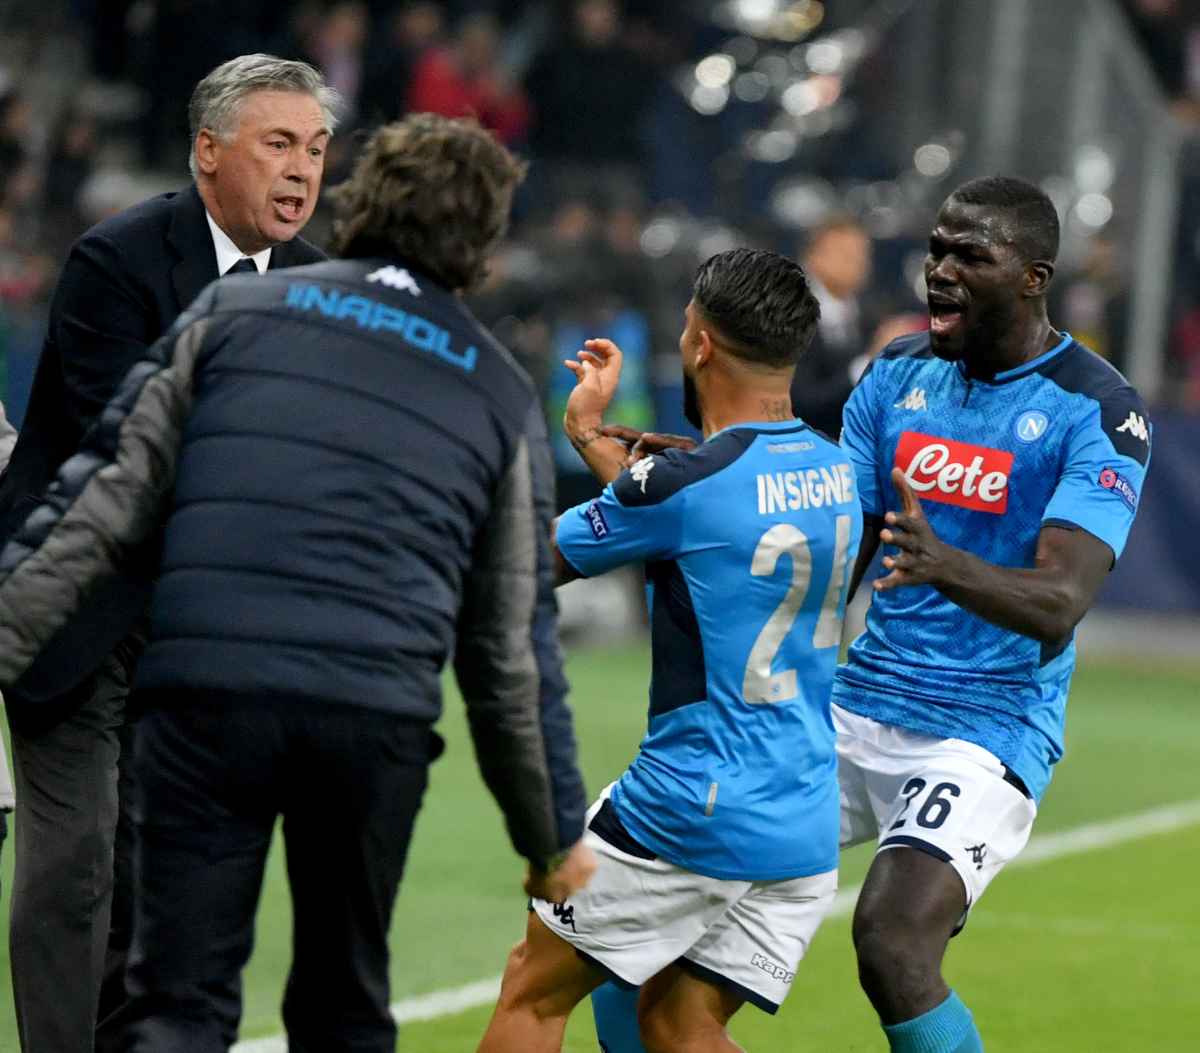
691, 403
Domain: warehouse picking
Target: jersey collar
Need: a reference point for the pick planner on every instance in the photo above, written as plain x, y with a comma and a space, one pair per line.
1023, 370
796, 424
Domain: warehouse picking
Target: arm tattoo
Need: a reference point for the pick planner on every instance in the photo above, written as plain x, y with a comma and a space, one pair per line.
585, 439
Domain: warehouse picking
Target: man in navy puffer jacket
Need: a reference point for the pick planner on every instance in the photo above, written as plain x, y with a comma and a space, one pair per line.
342, 478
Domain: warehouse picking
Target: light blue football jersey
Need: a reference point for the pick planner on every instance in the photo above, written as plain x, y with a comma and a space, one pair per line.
1061, 441
748, 542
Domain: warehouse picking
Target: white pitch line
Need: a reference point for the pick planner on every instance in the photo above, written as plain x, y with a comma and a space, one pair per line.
1087, 838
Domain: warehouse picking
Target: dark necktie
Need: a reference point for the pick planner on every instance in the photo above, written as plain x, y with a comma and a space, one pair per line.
243, 266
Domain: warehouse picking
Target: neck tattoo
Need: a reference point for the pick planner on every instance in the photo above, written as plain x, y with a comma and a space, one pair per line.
777, 409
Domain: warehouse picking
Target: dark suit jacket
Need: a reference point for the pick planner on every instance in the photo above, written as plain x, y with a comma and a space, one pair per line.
822, 383
124, 283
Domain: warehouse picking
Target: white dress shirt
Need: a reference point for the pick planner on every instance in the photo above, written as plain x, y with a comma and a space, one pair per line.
228, 253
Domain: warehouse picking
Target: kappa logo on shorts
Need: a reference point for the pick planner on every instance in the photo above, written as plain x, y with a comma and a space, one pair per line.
761, 961
978, 852
566, 916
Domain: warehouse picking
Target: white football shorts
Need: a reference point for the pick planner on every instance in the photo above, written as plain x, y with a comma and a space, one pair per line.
640, 914
949, 798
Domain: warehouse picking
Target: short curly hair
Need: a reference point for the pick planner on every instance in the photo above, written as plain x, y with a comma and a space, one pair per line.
432, 191
761, 302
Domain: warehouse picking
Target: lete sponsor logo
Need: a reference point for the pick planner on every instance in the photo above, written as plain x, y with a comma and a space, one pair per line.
955, 473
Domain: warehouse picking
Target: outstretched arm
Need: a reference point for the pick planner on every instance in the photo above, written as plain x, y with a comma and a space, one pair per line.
1045, 601
597, 372
509, 671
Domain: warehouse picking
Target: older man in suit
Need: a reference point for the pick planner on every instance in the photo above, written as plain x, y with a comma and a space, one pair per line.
260, 126
837, 260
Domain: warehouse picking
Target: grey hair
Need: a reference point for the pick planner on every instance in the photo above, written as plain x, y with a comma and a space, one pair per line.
219, 96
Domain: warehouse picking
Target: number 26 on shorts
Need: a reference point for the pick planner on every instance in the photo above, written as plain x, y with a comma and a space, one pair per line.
937, 804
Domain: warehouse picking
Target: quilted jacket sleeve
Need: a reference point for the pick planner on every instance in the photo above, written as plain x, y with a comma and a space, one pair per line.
509, 668
107, 499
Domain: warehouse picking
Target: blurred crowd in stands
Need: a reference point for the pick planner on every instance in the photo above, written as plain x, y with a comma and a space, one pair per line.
632, 180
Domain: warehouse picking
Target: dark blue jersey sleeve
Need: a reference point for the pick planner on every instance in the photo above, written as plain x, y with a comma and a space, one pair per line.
637, 519
860, 439
1104, 468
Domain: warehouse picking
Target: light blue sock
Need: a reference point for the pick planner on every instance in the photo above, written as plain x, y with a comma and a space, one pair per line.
615, 1010
949, 1028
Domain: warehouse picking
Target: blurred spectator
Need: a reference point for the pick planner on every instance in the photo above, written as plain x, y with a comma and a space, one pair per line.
589, 90
581, 274
336, 46
392, 55
25, 272
837, 260
14, 141
70, 163
1185, 349
466, 79
1092, 303
1170, 33
186, 39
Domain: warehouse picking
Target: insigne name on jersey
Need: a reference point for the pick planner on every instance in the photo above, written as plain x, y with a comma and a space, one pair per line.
955, 473
395, 278
1135, 426
807, 488
914, 400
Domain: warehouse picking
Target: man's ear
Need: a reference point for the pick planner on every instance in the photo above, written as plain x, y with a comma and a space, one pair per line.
704, 349
207, 149
1037, 277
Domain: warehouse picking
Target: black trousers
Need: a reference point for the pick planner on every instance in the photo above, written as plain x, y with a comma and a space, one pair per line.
72, 871
214, 774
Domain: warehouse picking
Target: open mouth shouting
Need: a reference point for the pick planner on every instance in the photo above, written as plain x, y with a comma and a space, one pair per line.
946, 314
288, 207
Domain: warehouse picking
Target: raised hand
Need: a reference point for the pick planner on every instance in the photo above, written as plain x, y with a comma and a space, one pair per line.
920, 560
597, 369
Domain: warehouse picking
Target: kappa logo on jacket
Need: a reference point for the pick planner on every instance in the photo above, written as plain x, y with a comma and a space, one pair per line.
395, 278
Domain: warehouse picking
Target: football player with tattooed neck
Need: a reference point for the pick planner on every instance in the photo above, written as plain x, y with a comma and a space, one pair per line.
999, 463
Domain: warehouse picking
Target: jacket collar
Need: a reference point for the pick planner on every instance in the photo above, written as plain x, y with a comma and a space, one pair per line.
191, 240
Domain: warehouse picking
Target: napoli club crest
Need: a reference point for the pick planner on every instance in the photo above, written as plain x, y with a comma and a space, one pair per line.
1032, 425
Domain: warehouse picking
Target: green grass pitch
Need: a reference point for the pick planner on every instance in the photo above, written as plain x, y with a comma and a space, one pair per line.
1093, 951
